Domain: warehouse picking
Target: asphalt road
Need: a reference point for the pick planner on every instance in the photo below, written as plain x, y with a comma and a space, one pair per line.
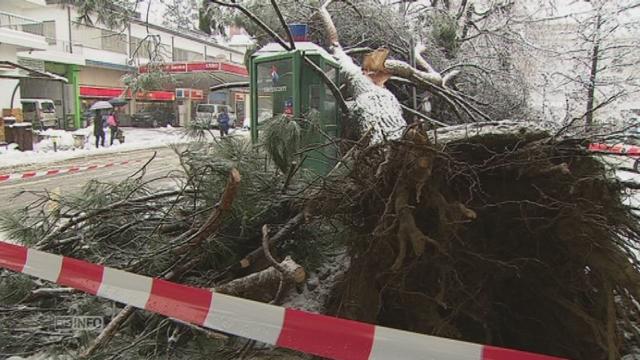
164, 162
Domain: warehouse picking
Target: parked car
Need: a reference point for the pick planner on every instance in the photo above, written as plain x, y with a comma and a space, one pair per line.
153, 118
207, 115
41, 113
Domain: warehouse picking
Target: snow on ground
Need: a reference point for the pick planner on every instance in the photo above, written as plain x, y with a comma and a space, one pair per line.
5, 238
135, 139
319, 285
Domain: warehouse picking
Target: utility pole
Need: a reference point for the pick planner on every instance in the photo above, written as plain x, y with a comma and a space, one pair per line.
69, 27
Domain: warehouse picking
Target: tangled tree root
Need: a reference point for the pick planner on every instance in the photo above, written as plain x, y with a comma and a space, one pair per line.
505, 239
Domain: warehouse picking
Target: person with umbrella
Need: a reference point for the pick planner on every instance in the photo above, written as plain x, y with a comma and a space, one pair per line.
113, 122
101, 108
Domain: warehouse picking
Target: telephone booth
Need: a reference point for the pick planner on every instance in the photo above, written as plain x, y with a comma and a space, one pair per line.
282, 82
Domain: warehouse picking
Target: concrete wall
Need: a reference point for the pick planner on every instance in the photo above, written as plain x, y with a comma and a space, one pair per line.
103, 56
58, 13
8, 52
167, 39
100, 77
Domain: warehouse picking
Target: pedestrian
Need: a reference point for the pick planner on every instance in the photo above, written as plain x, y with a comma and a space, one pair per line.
113, 123
223, 122
98, 127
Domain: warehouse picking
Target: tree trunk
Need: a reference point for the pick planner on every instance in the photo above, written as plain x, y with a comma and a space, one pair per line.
591, 87
375, 107
263, 286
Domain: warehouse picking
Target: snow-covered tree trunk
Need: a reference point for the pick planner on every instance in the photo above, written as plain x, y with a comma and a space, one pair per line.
375, 107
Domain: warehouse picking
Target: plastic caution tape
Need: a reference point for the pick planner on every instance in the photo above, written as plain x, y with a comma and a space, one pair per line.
52, 172
629, 150
311, 333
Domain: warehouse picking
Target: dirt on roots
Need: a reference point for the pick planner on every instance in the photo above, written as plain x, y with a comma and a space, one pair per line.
509, 239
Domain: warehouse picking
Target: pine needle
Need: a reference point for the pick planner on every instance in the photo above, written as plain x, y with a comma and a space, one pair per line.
282, 137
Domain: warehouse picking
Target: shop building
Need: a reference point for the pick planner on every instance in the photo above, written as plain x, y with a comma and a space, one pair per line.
95, 59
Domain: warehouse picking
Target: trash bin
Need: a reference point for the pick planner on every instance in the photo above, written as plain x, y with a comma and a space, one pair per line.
8, 133
23, 135
78, 141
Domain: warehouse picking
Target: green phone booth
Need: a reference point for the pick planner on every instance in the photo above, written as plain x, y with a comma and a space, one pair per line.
282, 82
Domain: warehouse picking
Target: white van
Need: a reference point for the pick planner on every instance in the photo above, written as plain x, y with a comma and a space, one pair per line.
41, 113
208, 114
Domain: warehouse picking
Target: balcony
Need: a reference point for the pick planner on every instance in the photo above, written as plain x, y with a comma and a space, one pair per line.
22, 32
92, 37
19, 23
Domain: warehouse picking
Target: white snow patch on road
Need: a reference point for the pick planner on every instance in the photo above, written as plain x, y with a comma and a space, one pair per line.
5, 238
135, 139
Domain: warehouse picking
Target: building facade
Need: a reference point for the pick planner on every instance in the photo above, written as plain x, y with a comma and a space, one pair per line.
95, 58
17, 34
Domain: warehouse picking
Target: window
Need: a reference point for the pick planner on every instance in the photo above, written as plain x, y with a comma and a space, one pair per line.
186, 55
112, 41
205, 108
49, 28
87, 36
275, 89
28, 107
36, 28
48, 107
140, 49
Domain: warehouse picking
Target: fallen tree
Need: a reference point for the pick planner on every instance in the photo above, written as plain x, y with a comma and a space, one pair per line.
502, 233
497, 233
493, 236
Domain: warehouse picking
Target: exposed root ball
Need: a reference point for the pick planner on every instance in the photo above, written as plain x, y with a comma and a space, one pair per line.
497, 239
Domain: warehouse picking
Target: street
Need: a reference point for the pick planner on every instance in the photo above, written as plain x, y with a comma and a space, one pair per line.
164, 162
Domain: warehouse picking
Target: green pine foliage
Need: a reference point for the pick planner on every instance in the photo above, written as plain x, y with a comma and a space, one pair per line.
140, 236
444, 30
282, 136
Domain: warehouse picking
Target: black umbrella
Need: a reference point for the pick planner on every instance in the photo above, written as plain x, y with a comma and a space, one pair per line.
118, 102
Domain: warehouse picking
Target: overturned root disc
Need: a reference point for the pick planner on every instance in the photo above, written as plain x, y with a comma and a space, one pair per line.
501, 239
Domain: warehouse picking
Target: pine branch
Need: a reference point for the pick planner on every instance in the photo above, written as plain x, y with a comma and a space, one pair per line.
283, 23
204, 232
46, 242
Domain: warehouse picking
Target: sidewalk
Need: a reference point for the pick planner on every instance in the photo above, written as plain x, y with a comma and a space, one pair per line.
135, 139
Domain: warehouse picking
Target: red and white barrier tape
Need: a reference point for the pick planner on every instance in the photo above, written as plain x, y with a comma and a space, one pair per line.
316, 334
630, 150
52, 172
